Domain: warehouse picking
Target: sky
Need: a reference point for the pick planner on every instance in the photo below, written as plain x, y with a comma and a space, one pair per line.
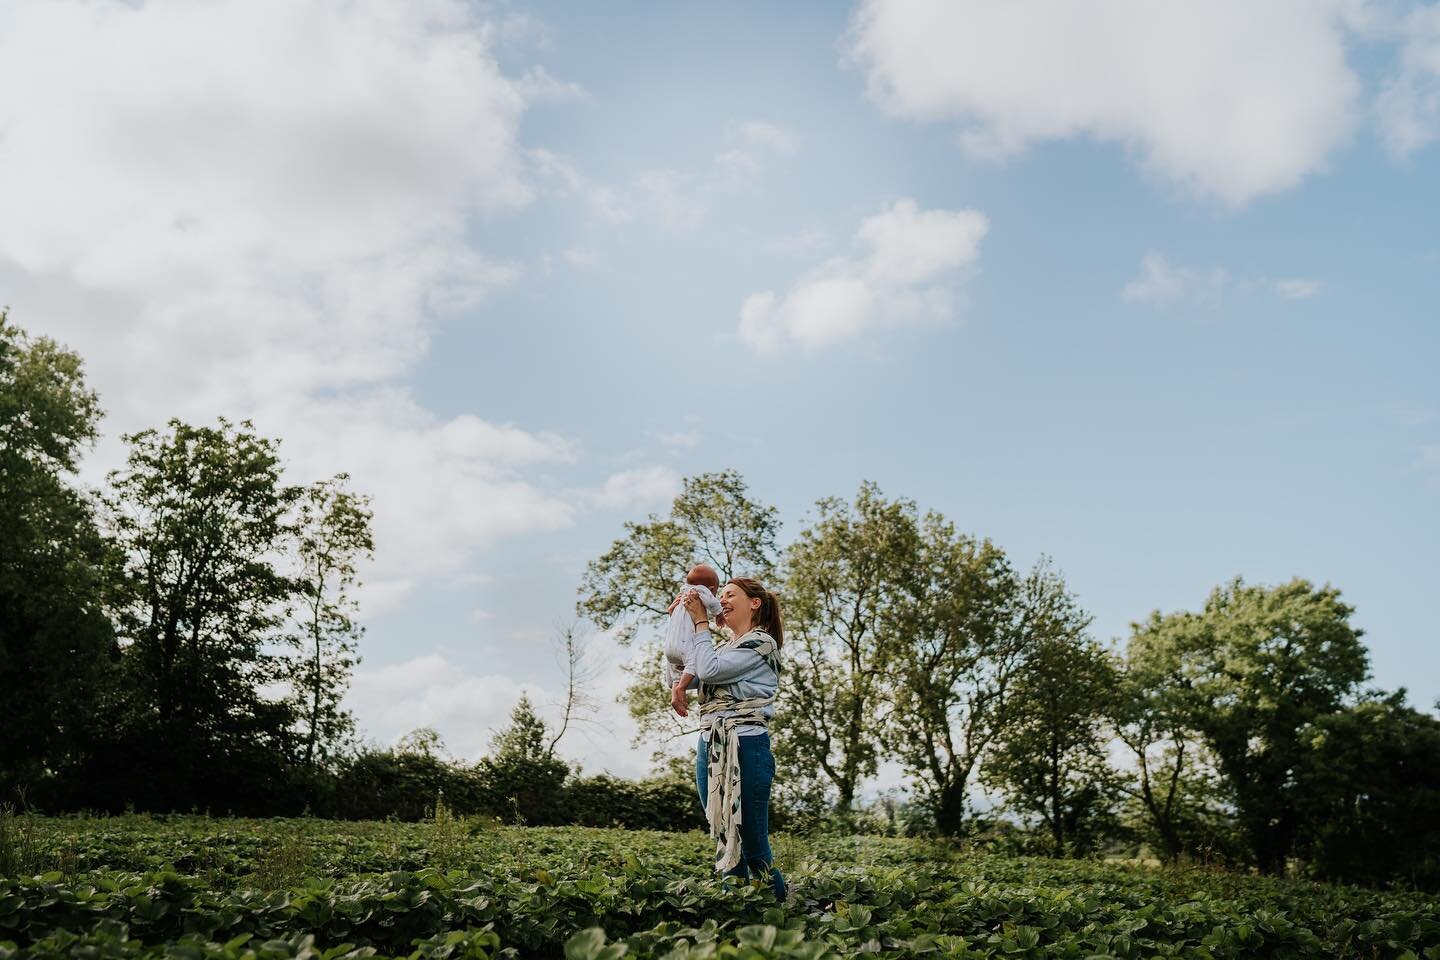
1149, 289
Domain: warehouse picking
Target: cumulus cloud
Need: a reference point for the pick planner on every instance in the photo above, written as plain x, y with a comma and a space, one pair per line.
1409, 103
912, 259
442, 487
256, 208
538, 86
467, 709
639, 487
1229, 99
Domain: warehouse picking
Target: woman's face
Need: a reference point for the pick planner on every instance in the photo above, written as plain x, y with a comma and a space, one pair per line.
737, 608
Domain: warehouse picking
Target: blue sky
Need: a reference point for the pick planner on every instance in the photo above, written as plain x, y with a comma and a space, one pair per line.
1152, 293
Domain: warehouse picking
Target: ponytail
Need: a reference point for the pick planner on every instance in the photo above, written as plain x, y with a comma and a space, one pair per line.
767, 618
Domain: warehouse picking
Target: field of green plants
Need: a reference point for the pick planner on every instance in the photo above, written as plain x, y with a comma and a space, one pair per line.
191, 887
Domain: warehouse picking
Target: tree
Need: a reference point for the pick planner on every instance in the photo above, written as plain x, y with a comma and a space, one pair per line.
713, 519
1049, 758
573, 649
56, 644
1261, 663
1368, 793
332, 533
964, 637
1173, 786
522, 779
844, 579
200, 515
405, 782
628, 588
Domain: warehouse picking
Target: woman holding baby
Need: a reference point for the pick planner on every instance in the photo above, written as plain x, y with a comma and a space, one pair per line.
738, 674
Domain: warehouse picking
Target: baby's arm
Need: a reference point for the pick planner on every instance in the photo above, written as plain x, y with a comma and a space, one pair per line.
677, 694
687, 679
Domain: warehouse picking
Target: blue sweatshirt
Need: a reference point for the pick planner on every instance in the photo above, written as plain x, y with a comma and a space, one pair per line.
742, 672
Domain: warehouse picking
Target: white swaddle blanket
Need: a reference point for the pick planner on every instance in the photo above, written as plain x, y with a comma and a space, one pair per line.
679, 633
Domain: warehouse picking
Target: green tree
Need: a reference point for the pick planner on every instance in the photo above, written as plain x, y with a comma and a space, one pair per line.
404, 782
1172, 785
964, 637
629, 587
845, 577
332, 534
522, 779
1261, 663
1049, 757
1368, 794
200, 514
56, 644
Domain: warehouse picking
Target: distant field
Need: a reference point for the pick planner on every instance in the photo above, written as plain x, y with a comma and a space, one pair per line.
189, 887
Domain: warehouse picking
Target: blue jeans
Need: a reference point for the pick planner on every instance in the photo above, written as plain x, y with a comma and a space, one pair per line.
757, 772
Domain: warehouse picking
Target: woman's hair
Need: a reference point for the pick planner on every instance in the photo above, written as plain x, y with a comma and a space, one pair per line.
767, 618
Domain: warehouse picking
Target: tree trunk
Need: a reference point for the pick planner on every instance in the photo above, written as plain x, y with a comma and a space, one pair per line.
950, 811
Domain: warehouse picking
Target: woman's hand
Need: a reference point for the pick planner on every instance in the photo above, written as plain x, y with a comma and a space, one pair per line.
696, 608
677, 700
679, 599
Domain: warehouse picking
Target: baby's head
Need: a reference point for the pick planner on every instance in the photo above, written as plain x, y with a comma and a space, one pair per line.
703, 575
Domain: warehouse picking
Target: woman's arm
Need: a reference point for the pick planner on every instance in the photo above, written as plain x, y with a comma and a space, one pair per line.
720, 666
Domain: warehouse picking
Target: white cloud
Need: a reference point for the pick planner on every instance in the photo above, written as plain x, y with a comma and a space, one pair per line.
467, 709
441, 488
676, 199
1230, 99
1161, 284
254, 208
659, 195
580, 257
1409, 103
638, 487
1296, 289
765, 136
913, 258
666, 196
910, 246
737, 168
522, 31
430, 691
758, 143
538, 86
555, 170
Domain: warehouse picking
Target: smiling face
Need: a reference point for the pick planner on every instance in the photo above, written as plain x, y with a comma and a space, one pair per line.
738, 608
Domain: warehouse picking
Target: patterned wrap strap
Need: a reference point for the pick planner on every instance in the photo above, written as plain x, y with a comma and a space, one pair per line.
722, 801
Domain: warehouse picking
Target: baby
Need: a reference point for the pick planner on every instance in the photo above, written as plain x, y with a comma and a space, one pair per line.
703, 581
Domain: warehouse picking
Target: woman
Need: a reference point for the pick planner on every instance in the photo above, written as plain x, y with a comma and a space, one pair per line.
739, 677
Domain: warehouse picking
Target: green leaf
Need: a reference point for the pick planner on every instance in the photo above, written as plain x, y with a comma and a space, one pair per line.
585, 945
